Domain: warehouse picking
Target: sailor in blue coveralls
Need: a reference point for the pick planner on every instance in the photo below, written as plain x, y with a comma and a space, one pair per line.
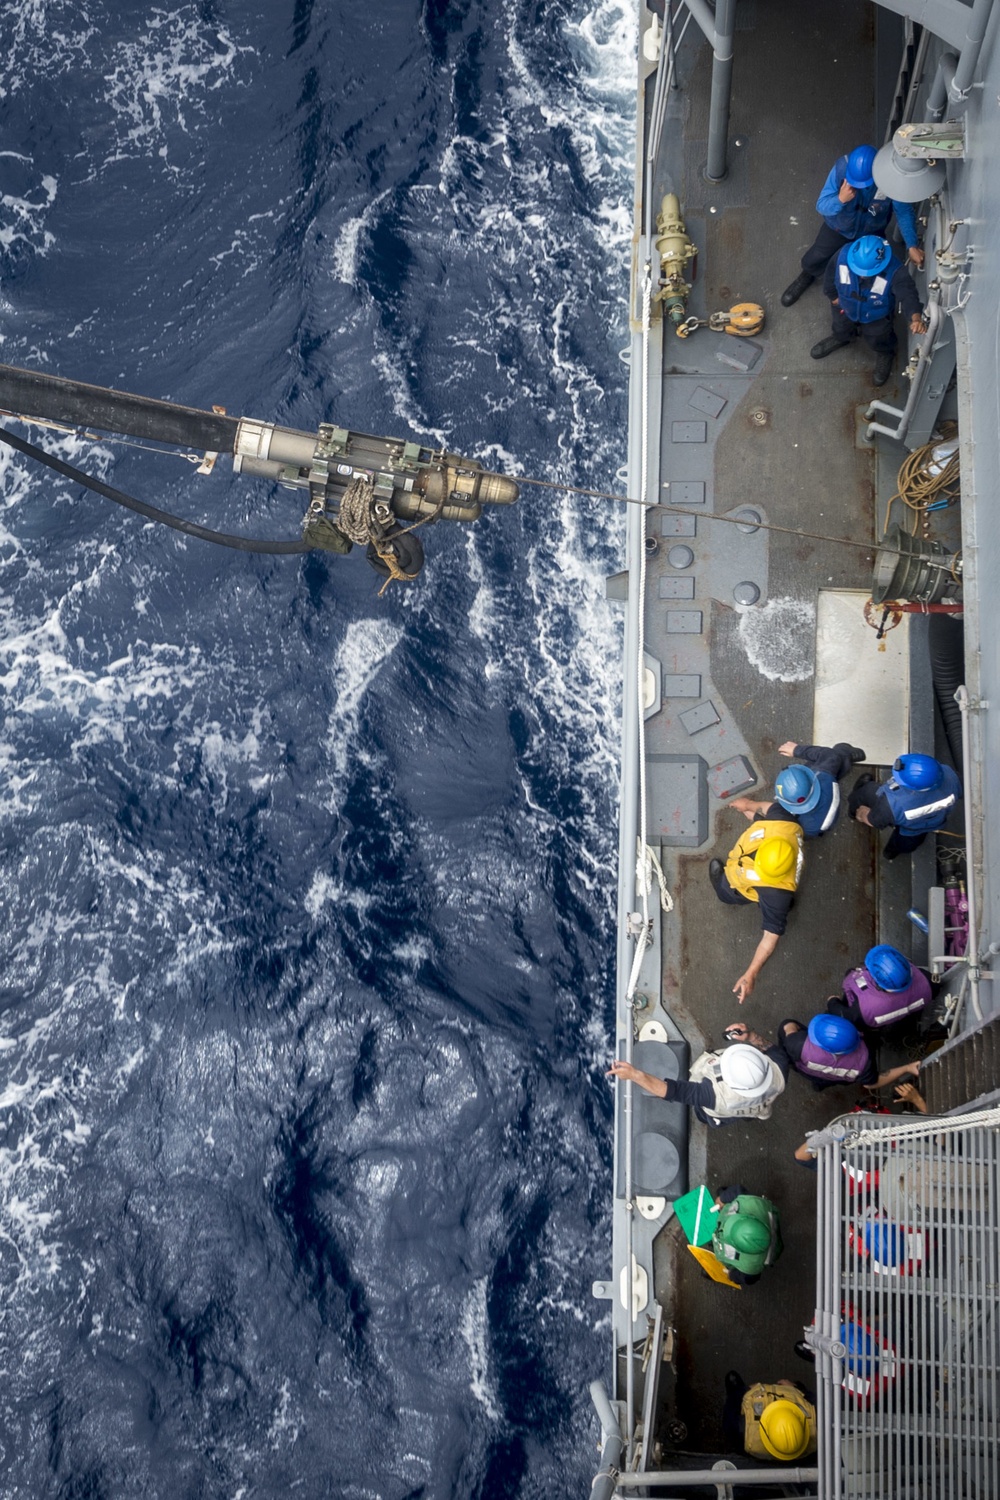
810, 793
852, 206
915, 801
864, 283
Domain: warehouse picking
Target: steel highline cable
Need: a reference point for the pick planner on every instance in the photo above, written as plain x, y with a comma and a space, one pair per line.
247, 544
681, 510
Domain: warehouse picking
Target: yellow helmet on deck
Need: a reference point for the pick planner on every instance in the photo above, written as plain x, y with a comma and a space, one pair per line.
784, 1430
775, 857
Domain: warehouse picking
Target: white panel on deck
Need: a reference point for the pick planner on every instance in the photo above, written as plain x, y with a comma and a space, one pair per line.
862, 691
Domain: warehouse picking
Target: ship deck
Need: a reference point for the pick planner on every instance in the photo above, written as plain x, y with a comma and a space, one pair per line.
789, 442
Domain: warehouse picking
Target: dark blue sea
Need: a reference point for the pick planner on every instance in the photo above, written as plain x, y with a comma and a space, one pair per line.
307, 894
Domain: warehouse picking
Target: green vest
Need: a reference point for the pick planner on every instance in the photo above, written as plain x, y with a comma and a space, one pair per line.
751, 1263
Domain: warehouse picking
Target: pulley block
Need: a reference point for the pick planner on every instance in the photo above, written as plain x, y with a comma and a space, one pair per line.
742, 321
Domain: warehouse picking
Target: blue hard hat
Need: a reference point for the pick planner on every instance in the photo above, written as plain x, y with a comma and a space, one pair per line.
858, 1343
887, 966
797, 788
869, 255
859, 167
920, 772
834, 1034
884, 1242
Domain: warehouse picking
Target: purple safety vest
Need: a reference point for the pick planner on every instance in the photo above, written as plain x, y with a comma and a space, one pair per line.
885, 1007
845, 1068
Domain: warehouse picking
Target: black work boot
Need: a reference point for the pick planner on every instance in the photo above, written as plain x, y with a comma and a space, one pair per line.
826, 346
883, 369
794, 292
715, 869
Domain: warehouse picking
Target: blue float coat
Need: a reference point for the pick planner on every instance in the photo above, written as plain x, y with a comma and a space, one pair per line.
901, 288
868, 212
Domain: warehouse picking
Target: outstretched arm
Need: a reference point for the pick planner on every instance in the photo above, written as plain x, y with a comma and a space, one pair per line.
626, 1070
891, 1074
748, 808
744, 985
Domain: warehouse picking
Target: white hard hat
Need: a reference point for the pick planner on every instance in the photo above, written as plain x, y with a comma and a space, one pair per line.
745, 1069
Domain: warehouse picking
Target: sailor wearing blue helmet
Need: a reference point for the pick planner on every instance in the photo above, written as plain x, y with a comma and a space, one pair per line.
882, 991
864, 282
916, 800
852, 206
810, 792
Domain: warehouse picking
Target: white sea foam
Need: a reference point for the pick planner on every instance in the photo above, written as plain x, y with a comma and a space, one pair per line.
286, 1423
163, 77
366, 647
350, 237
23, 218
475, 1332
323, 890
390, 365
779, 638
44, 39
45, 1126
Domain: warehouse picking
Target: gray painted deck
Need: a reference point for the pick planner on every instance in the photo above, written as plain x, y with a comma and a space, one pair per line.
785, 443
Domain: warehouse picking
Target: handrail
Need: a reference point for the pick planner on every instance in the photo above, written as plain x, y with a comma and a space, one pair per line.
665, 81
664, 1478
972, 948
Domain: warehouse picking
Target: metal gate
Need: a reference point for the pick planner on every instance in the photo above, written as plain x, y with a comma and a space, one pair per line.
906, 1331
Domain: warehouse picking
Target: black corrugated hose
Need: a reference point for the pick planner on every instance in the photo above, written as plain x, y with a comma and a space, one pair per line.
151, 512
946, 637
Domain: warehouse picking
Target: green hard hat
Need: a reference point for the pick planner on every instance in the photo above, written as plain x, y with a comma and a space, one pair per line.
746, 1234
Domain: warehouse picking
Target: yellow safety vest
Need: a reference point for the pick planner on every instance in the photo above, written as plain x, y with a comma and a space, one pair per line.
760, 1396
741, 867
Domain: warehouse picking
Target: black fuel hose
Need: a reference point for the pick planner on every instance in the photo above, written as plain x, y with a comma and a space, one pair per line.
151, 512
947, 648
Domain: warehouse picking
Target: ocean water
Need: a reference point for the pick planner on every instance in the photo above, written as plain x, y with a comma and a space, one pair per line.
308, 894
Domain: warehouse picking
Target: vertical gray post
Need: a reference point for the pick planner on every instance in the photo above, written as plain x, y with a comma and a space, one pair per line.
606, 1479
722, 79
979, 17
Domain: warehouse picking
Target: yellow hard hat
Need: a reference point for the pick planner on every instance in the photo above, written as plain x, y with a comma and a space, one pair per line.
784, 1430
775, 858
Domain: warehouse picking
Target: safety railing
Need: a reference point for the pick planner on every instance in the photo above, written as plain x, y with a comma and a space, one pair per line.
907, 1322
